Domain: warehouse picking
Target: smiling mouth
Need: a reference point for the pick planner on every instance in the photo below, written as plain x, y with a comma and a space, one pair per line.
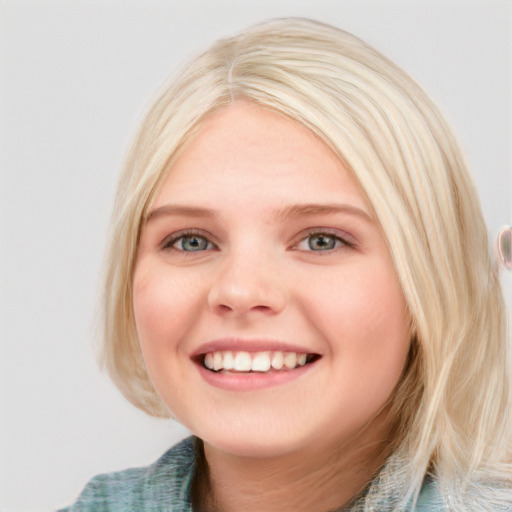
228, 361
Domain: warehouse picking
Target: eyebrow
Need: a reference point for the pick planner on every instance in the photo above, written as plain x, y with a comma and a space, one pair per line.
305, 210
285, 213
179, 210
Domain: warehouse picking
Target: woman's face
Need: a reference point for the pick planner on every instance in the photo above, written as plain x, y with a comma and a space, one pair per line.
266, 302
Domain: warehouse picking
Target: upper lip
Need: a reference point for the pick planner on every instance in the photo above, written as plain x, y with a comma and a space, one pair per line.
249, 345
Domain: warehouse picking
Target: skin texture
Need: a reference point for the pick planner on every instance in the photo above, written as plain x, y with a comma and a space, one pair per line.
261, 276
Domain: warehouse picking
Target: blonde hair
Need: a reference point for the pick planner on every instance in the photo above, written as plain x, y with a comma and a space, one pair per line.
453, 402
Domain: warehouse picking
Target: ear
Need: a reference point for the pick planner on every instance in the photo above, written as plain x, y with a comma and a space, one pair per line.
505, 246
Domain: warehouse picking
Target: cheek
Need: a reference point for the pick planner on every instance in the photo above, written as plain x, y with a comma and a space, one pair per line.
164, 304
363, 301
364, 317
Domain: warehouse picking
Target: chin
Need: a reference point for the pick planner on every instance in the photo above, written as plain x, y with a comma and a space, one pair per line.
261, 448
266, 440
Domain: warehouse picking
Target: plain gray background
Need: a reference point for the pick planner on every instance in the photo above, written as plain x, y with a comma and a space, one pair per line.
75, 78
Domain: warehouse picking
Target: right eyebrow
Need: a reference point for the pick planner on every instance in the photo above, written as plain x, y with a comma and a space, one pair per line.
179, 210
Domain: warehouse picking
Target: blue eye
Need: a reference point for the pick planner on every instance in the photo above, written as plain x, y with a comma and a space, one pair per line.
319, 242
322, 242
189, 243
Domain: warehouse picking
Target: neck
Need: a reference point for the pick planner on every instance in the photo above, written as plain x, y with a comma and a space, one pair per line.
316, 479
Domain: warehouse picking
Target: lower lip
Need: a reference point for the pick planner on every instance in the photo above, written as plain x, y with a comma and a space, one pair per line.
254, 380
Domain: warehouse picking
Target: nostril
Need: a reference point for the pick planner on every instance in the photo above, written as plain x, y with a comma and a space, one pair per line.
261, 308
224, 308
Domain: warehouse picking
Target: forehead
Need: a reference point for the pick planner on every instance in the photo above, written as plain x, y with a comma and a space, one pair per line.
245, 150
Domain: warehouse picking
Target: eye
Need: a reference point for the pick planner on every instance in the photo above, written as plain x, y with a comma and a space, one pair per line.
188, 242
321, 242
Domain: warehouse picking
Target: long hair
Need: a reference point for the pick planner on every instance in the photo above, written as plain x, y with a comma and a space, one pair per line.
452, 404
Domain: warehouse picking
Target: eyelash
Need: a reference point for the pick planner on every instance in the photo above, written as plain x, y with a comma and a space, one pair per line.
339, 241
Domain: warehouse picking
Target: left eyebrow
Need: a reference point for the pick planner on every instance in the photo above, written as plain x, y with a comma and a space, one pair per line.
304, 210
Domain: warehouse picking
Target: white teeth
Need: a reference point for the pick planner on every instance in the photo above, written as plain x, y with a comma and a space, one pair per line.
256, 362
208, 361
243, 362
217, 361
277, 360
228, 362
261, 362
290, 360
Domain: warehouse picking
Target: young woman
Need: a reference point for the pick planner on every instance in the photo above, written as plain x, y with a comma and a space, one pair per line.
299, 273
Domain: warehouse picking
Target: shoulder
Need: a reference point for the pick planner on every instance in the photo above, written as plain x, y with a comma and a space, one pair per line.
429, 499
162, 486
495, 496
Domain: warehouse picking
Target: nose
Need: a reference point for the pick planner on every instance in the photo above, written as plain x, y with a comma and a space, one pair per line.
245, 285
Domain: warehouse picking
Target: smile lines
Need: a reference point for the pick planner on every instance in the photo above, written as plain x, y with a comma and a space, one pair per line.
254, 361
